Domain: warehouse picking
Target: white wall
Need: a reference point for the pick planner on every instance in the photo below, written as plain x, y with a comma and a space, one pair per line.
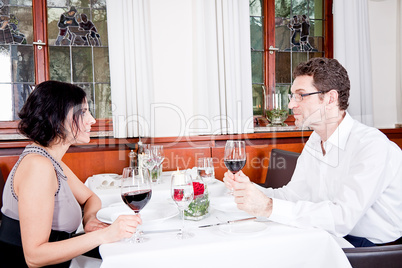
201, 67
171, 39
173, 20
385, 35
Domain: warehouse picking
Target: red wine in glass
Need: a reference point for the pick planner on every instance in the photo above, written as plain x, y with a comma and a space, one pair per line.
235, 156
136, 200
235, 165
136, 192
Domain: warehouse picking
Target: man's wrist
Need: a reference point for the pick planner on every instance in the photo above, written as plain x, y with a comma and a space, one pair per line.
268, 207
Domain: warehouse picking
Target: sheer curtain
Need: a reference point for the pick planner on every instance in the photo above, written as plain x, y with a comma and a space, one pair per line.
130, 67
352, 49
224, 63
220, 76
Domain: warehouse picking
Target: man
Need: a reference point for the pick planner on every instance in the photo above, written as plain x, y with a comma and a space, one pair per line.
66, 20
304, 35
88, 25
348, 179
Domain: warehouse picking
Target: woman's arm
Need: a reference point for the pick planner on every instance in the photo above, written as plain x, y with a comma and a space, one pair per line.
35, 184
87, 199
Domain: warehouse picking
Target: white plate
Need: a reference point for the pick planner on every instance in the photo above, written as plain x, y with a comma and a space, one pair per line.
104, 181
210, 180
243, 228
225, 204
168, 173
152, 212
107, 174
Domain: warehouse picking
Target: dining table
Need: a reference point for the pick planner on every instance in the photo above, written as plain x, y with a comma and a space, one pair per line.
255, 242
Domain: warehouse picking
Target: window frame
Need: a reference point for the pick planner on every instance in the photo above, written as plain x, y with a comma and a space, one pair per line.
42, 72
269, 59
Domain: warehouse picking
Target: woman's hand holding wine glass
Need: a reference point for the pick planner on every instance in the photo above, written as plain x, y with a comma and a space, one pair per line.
235, 156
136, 192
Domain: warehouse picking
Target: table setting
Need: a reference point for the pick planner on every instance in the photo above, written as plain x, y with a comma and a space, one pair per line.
187, 220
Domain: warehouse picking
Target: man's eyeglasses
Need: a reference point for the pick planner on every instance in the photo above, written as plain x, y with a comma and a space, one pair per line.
299, 97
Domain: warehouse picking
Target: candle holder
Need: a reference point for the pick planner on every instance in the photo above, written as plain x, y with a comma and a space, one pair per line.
279, 112
199, 207
277, 117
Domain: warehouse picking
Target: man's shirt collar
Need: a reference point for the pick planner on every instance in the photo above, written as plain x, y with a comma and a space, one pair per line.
340, 136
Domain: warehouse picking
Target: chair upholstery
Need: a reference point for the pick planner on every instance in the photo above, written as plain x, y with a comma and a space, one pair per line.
1, 191
389, 256
374, 257
281, 167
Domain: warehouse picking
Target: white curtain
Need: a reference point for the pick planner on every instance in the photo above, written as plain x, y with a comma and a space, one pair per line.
130, 66
221, 68
352, 50
399, 67
224, 64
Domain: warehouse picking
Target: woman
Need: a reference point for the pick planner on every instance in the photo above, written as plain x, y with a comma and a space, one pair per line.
43, 200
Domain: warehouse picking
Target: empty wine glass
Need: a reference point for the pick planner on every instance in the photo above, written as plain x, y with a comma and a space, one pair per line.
158, 156
182, 193
148, 159
235, 156
136, 192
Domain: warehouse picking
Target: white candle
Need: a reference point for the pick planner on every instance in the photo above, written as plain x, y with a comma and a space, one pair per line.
279, 101
179, 177
276, 101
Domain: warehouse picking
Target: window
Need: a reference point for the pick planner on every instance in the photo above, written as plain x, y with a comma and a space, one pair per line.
17, 57
78, 52
63, 40
283, 34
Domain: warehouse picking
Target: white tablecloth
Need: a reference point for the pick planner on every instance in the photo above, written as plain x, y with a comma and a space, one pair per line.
276, 246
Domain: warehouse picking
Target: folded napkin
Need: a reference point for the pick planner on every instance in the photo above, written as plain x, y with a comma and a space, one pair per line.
194, 173
103, 181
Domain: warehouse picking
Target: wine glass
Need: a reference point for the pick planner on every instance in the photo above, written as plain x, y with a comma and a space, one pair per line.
205, 168
182, 193
235, 156
148, 159
136, 192
158, 156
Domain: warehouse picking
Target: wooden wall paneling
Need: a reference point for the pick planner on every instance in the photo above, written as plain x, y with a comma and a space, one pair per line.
86, 164
217, 155
183, 158
7, 163
108, 155
398, 142
257, 160
256, 165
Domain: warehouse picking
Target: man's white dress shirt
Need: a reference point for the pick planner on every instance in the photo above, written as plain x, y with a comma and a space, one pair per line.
355, 188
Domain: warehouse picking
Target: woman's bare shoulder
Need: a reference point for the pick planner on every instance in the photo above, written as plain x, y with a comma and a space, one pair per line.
35, 167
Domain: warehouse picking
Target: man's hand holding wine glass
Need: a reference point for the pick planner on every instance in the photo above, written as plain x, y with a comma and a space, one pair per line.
247, 197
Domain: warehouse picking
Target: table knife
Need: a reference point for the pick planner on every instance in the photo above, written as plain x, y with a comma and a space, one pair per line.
227, 222
160, 231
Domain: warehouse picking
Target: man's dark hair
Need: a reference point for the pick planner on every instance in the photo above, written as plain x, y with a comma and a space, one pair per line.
327, 74
45, 111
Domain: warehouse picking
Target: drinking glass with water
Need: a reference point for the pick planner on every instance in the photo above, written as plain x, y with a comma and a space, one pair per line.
205, 169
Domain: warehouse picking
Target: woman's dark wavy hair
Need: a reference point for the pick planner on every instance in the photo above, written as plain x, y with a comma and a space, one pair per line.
46, 109
327, 74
